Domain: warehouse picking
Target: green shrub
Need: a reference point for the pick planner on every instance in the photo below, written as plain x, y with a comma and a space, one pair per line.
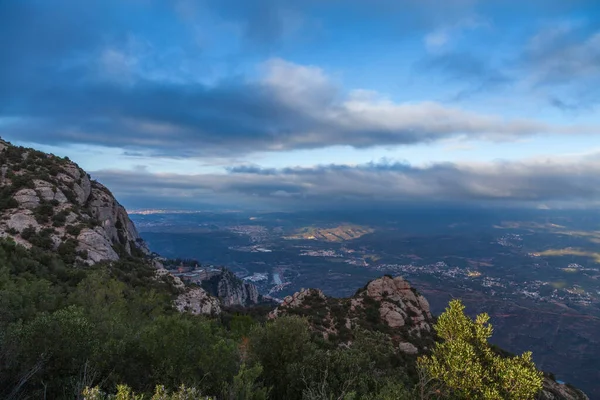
28, 232
60, 218
43, 239
469, 368
43, 212
74, 230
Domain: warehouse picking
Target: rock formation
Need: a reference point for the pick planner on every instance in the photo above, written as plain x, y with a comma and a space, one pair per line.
50, 200
198, 301
386, 304
231, 290
559, 391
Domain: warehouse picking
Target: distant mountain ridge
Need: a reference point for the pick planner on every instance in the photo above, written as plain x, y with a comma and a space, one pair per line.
335, 234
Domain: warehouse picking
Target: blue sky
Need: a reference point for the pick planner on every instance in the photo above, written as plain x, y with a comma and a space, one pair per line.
275, 104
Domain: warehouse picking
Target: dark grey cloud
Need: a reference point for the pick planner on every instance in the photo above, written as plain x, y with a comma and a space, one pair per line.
85, 72
291, 107
519, 183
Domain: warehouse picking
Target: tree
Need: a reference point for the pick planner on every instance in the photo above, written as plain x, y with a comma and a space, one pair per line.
469, 368
56, 346
277, 346
246, 385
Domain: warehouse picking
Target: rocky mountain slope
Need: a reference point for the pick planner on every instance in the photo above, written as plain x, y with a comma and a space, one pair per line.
50, 202
386, 304
219, 291
392, 306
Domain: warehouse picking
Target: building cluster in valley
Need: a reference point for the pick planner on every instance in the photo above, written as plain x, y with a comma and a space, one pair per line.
256, 233
498, 286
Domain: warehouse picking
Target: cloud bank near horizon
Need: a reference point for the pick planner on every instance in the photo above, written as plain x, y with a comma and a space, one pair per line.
534, 183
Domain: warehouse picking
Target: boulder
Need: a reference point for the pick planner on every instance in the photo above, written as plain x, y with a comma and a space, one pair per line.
198, 302
49, 191
97, 246
22, 220
408, 348
27, 198
392, 314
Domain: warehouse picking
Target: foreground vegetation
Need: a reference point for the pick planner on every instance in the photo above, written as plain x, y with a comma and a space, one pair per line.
66, 331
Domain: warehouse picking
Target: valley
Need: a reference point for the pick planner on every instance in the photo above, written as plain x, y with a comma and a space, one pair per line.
538, 278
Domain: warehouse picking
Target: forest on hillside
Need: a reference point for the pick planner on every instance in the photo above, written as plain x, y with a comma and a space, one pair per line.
66, 331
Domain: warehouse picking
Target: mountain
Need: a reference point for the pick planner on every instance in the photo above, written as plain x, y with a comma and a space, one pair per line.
50, 202
391, 306
387, 304
84, 302
232, 290
335, 234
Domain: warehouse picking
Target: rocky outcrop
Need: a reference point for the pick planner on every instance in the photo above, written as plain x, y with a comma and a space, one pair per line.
399, 303
198, 302
21, 221
113, 218
49, 193
96, 245
162, 272
559, 391
27, 198
231, 290
297, 299
388, 304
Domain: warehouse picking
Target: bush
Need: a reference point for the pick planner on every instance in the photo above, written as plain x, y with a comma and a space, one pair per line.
68, 251
124, 392
22, 182
467, 365
74, 230
43, 212
28, 232
60, 218
43, 239
7, 202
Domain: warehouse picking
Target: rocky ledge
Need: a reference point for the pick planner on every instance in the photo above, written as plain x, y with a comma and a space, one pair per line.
386, 304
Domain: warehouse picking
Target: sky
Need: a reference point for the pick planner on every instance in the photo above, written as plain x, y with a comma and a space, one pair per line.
273, 104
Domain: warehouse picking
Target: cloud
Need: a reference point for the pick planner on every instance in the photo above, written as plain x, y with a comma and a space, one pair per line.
475, 73
532, 182
564, 53
563, 62
437, 40
82, 73
290, 107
